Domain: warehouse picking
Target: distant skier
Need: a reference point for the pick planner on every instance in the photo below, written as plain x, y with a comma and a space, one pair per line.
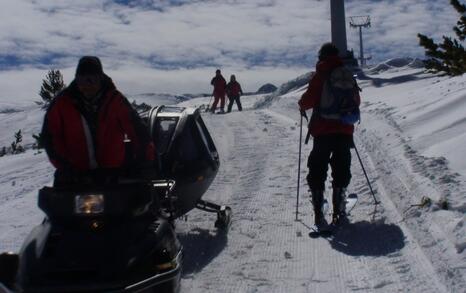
234, 92
219, 83
91, 126
333, 140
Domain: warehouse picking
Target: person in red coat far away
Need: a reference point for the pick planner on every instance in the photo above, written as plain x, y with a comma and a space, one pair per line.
219, 83
91, 127
332, 141
234, 92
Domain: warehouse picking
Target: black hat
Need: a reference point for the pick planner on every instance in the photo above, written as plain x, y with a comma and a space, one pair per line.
89, 65
328, 49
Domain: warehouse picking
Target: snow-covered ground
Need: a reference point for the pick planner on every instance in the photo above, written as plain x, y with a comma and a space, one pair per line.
410, 140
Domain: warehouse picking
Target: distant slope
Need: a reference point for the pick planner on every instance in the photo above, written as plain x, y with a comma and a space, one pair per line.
156, 99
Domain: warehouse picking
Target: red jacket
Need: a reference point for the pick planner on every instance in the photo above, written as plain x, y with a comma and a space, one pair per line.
234, 89
311, 98
219, 84
73, 141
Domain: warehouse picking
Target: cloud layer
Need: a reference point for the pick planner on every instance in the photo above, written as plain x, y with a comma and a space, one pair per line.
175, 45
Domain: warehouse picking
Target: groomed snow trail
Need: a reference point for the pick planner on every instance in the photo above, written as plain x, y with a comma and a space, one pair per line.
266, 250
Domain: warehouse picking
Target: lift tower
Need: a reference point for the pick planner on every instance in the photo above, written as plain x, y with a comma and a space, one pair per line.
360, 22
338, 26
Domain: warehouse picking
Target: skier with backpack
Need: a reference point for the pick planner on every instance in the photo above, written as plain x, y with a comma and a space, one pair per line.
333, 94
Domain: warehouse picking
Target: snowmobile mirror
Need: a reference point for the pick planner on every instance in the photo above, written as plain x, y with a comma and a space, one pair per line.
89, 204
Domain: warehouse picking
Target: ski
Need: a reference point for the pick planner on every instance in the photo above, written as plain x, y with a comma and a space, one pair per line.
324, 232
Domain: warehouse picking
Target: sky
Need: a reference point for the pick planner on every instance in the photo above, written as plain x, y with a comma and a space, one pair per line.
174, 46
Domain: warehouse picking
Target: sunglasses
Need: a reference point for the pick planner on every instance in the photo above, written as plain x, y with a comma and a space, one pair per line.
88, 79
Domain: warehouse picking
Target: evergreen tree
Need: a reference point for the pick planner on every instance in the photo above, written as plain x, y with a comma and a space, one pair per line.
39, 144
51, 86
460, 28
449, 56
16, 146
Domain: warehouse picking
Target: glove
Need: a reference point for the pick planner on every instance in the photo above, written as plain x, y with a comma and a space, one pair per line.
303, 113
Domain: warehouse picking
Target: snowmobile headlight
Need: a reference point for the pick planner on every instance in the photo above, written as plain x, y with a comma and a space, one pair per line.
170, 265
89, 204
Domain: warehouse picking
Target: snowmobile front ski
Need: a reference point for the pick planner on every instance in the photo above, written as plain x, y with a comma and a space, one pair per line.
223, 213
223, 221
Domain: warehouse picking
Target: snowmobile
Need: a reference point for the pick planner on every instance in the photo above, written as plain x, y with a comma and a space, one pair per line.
114, 232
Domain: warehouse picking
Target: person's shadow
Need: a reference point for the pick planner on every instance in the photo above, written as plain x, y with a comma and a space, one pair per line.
200, 247
368, 239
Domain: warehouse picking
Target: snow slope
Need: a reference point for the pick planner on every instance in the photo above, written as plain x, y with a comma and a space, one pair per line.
410, 141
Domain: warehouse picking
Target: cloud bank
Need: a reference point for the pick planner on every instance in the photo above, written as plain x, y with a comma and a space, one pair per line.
175, 46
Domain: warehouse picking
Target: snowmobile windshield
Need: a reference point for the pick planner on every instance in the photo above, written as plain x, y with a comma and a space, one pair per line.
164, 129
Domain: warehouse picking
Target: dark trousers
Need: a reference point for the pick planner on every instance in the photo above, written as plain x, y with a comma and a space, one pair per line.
238, 103
333, 149
218, 98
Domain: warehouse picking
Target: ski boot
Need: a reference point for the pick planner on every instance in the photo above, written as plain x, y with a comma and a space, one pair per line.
339, 206
317, 203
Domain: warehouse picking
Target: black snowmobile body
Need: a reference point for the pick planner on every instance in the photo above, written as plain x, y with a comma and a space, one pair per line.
100, 239
186, 153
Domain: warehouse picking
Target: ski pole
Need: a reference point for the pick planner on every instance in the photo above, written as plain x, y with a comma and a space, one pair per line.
208, 105
299, 164
365, 174
302, 114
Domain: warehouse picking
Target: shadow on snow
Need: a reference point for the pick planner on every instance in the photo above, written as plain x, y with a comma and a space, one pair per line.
200, 247
380, 82
368, 239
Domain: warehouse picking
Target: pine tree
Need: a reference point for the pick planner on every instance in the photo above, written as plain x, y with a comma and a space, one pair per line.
460, 28
449, 56
16, 146
51, 86
39, 144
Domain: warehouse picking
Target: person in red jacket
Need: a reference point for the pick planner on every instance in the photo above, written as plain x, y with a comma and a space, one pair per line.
234, 92
332, 141
91, 126
219, 84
